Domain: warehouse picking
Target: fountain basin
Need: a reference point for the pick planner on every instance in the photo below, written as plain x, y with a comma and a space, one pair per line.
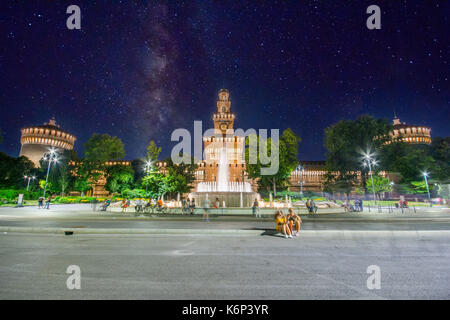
232, 199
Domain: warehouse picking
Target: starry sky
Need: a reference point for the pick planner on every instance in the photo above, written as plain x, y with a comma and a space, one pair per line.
140, 69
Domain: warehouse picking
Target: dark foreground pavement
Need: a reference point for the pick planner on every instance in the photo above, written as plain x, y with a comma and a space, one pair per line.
413, 266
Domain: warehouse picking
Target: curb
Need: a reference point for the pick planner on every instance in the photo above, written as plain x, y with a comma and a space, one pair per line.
317, 233
50, 230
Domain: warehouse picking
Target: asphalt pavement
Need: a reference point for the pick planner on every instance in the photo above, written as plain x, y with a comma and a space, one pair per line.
412, 266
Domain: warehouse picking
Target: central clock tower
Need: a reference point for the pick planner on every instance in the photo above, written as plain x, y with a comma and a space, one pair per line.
223, 118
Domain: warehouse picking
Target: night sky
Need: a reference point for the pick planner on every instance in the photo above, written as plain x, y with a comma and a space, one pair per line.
139, 70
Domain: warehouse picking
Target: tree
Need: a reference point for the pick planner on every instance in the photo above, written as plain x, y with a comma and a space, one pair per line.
119, 178
287, 148
440, 151
407, 160
380, 185
60, 175
180, 176
13, 170
346, 141
103, 147
85, 174
153, 151
158, 184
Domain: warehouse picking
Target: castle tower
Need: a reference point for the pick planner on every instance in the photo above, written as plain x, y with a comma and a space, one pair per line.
410, 133
223, 118
37, 140
224, 138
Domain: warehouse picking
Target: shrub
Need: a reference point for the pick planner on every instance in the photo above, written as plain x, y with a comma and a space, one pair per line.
13, 194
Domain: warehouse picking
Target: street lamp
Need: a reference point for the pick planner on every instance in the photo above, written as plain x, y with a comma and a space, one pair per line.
425, 175
147, 170
29, 178
369, 162
51, 157
300, 171
392, 187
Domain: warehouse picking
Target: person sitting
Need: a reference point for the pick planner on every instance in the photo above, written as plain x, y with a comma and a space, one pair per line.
282, 225
294, 220
160, 203
105, 205
138, 205
308, 205
124, 205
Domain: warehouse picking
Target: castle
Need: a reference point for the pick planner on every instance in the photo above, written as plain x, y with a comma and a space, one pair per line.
37, 140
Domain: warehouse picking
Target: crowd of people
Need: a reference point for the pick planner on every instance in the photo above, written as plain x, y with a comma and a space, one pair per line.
357, 206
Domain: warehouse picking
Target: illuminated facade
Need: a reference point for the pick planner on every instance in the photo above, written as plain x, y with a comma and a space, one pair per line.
224, 137
410, 133
213, 145
37, 140
98, 187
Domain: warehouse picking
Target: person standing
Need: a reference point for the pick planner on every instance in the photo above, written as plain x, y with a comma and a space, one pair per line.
255, 208
40, 202
183, 206
216, 203
192, 206
206, 210
313, 207
47, 203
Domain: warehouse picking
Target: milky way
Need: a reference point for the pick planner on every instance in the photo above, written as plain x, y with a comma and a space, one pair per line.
139, 70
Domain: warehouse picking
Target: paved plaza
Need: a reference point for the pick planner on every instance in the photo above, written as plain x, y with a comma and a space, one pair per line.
231, 257
225, 267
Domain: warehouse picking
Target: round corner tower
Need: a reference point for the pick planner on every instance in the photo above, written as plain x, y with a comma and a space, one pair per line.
37, 140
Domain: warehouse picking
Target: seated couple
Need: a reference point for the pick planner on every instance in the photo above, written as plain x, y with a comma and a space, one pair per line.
286, 223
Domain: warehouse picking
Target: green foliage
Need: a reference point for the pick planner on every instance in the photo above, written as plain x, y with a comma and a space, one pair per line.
157, 184
180, 176
103, 147
380, 184
76, 199
60, 178
119, 178
85, 174
11, 195
287, 148
153, 151
13, 170
420, 187
440, 150
346, 141
408, 160
134, 193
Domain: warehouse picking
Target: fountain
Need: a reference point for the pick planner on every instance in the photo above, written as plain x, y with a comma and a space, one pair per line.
229, 193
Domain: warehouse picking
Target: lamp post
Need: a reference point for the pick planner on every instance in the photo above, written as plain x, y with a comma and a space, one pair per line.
300, 170
51, 157
29, 178
369, 162
392, 187
147, 170
425, 175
